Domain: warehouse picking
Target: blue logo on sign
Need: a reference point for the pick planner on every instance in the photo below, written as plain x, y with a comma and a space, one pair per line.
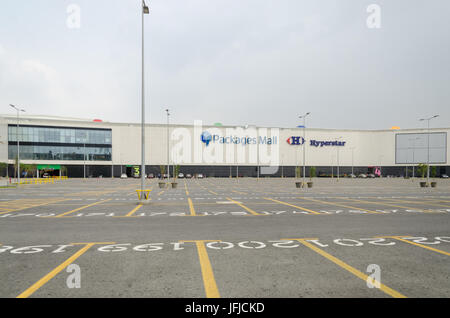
206, 137
295, 140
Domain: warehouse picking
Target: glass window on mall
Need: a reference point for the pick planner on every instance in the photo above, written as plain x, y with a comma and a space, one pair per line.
60, 143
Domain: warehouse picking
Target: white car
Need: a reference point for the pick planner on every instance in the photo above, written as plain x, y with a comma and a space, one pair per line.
200, 176
180, 175
362, 175
123, 176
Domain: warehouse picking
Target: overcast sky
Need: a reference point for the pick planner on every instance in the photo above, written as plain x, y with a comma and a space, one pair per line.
235, 62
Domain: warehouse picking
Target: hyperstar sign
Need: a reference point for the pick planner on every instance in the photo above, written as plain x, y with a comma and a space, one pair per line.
298, 141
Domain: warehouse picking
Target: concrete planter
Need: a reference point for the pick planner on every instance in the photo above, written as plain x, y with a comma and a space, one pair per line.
433, 184
310, 184
299, 184
174, 185
423, 184
162, 185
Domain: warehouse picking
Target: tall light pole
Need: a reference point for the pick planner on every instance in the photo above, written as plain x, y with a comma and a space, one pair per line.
18, 144
168, 166
413, 148
428, 146
145, 10
304, 146
353, 148
338, 158
84, 159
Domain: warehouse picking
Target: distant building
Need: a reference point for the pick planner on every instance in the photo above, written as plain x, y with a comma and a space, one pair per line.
103, 148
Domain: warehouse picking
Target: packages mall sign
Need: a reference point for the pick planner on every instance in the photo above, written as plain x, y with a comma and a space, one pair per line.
207, 138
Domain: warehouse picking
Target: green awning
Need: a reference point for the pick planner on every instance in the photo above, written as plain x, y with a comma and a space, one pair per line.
54, 167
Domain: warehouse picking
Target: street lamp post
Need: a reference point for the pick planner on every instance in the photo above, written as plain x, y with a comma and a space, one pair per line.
428, 145
145, 10
168, 166
84, 159
18, 143
304, 146
413, 148
338, 158
257, 151
352, 161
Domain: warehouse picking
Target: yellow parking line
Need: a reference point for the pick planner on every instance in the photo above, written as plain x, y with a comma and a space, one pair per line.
240, 192
400, 238
295, 206
349, 268
53, 273
185, 187
130, 214
35, 205
413, 202
434, 199
191, 207
213, 192
80, 208
209, 281
244, 207
342, 205
389, 204
161, 192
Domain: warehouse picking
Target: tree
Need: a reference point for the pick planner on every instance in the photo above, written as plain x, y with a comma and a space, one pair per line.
162, 169
312, 172
422, 169
177, 170
433, 171
298, 172
3, 167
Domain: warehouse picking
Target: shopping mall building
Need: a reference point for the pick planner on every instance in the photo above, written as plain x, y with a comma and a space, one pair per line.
94, 148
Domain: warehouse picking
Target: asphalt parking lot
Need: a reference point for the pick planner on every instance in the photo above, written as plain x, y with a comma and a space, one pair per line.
226, 238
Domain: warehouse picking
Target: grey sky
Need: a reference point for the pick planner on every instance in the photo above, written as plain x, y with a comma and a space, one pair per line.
235, 62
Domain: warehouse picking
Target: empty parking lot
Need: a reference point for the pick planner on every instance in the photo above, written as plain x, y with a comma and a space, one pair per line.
220, 237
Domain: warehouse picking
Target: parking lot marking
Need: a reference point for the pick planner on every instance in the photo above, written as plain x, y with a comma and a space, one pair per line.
292, 205
400, 238
349, 268
240, 192
80, 208
244, 207
191, 207
47, 202
213, 192
161, 192
209, 281
130, 214
413, 202
389, 204
342, 205
185, 187
27, 293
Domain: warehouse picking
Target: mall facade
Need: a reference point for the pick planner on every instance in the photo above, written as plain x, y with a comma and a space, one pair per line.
94, 148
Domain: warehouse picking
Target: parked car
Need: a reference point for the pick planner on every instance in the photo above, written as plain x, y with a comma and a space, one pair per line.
188, 176
123, 176
351, 175
362, 175
45, 175
150, 176
371, 175
200, 176
180, 175
444, 176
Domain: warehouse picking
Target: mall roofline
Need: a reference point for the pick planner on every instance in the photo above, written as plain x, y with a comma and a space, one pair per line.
109, 123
